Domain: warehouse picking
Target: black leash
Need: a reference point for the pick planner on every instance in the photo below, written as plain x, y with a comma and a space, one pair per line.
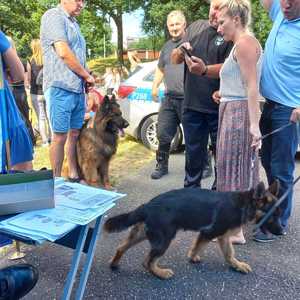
279, 201
276, 130
272, 209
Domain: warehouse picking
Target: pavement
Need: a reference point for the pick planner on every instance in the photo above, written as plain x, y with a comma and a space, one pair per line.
276, 265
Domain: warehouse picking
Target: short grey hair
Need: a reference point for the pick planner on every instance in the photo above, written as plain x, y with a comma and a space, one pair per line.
176, 13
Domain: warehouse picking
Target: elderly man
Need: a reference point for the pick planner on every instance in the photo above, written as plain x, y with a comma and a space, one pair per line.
169, 116
200, 116
280, 87
65, 76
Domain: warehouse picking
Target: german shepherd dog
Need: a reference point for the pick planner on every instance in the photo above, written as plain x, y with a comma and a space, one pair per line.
98, 141
213, 214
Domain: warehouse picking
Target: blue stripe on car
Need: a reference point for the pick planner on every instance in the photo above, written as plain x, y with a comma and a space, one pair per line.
143, 94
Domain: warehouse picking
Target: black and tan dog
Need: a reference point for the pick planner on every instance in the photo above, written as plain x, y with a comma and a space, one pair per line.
98, 141
213, 214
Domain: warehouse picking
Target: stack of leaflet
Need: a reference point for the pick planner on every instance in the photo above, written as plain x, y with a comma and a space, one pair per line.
75, 204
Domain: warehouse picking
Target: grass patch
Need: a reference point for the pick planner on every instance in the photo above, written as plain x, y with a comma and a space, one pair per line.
130, 157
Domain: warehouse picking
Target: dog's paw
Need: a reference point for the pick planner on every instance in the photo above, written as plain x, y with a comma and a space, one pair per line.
164, 273
243, 267
114, 264
194, 259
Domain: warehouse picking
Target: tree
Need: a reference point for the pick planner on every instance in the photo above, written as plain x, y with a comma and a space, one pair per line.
21, 20
115, 10
156, 12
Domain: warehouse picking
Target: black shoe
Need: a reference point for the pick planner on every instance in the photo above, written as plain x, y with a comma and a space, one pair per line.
16, 281
159, 172
282, 231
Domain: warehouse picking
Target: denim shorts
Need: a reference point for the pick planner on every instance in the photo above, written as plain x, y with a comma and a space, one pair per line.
65, 109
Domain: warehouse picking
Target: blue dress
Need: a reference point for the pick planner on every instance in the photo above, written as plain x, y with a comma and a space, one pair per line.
12, 127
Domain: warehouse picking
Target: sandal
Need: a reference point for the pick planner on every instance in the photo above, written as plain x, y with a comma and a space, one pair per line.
74, 179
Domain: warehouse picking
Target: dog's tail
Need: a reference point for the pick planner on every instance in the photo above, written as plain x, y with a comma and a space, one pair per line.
123, 221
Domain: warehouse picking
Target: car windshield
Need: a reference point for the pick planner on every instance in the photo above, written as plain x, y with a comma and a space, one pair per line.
138, 68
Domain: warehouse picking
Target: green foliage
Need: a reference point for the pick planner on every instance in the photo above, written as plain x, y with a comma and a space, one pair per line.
261, 24
156, 12
21, 20
150, 42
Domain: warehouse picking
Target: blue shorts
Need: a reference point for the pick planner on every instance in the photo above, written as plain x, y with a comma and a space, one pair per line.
65, 109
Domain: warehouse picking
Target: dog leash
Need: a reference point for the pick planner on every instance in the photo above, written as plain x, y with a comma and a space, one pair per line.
280, 200
272, 209
254, 156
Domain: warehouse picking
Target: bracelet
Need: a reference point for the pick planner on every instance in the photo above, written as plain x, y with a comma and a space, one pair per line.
205, 71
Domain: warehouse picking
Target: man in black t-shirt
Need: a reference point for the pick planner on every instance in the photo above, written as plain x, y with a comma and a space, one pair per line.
200, 115
169, 116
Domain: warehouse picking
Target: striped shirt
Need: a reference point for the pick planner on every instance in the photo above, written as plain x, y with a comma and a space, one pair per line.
58, 25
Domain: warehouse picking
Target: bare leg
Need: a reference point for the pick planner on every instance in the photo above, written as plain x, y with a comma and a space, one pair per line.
71, 152
25, 166
57, 152
198, 245
136, 235
228, 252
238, 237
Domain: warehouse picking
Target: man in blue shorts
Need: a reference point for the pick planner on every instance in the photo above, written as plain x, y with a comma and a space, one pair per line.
64, 78
280, 87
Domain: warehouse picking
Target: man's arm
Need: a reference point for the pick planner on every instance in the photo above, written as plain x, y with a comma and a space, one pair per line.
65, 53
158, 77
266, 4
177, 56
14, 65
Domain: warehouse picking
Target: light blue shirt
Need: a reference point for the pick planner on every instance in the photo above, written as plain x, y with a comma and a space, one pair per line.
58, 25
280, 79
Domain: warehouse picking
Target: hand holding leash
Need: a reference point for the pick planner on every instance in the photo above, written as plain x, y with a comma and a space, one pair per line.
256, 136
295, 116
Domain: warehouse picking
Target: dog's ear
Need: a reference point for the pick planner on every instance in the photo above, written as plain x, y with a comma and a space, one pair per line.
105, 106
113, 98
259, 191
274, 188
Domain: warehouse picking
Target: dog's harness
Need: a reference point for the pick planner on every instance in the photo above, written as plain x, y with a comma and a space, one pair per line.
280, 200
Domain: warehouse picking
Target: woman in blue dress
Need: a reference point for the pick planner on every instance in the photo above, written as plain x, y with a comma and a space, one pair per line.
16, 150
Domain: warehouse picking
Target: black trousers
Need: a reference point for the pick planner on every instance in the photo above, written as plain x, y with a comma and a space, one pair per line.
197, 127
169, 118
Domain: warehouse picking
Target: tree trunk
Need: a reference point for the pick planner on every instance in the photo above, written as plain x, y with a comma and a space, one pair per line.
119, 24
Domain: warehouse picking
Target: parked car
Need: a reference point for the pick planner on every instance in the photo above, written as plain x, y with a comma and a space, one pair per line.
140, 110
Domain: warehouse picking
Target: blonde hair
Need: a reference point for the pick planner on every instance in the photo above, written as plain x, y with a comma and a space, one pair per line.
176, 13
36, 52
238, 8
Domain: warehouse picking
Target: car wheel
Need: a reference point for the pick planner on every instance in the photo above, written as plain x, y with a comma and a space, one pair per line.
148, 135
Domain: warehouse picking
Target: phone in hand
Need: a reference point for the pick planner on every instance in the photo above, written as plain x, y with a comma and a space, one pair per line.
186, 51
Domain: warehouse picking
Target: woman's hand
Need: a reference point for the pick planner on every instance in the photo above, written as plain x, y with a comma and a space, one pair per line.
216, 97
256, 136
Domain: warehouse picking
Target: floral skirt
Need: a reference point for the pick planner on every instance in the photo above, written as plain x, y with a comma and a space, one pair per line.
234, 168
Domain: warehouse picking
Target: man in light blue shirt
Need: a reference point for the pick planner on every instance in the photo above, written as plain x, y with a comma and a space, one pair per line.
64, 77
280, 85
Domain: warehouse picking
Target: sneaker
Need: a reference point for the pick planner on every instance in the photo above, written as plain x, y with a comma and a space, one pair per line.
263, 237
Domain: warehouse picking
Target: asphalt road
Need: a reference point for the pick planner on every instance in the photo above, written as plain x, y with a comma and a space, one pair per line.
276, 266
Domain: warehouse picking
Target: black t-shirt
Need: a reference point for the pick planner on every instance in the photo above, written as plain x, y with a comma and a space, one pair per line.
212, 49
173, 74
34, 87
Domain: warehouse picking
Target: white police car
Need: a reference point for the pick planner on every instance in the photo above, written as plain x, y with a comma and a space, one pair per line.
140, 110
